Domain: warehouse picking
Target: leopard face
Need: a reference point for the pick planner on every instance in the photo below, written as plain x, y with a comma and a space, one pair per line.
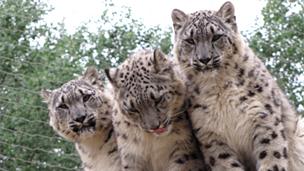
204, 39
79, 109
147, 91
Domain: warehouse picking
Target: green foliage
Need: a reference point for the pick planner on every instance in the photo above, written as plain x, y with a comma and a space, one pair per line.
118, 35
280, 41
26, 144
34, 56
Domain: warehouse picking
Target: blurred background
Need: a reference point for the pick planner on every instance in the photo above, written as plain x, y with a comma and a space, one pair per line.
44, 43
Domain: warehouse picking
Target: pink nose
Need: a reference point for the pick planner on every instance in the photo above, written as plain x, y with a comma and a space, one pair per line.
159, 130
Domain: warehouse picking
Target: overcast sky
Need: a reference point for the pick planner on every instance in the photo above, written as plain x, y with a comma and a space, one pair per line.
153, 12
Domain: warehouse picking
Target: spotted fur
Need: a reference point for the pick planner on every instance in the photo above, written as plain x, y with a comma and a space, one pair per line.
240, 116
80, 111
153, 133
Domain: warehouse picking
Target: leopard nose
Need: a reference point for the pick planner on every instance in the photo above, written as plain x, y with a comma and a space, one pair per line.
80, 119
204, 60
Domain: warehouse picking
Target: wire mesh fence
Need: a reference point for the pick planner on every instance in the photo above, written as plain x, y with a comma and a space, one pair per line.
27, 142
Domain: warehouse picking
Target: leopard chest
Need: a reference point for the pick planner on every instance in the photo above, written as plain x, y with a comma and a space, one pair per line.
218, 110
97, 156
153, 150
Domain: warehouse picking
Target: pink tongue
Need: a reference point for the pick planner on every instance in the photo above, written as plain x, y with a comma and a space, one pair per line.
160, 130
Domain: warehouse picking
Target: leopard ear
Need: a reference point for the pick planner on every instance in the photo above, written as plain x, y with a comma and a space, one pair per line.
159, 60
93, 76
111, 74
46, 95
227, 13
179, 18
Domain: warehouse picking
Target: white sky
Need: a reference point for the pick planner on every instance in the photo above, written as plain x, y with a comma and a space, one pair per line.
153, 12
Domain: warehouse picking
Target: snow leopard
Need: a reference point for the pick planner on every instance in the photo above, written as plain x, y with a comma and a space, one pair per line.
81, 111
240, 116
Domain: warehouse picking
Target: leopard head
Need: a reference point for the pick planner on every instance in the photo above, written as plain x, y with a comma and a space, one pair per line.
204, 39
80, 108
147, 91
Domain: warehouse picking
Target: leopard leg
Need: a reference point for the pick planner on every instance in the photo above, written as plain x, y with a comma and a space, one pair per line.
270, 144
185, 154
132, 162
218, 155
183, 158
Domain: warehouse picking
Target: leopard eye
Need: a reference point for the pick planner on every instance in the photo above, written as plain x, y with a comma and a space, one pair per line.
159, 100
133, 110
216, 37
152, 96
190, 41
63, 106
86, 97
